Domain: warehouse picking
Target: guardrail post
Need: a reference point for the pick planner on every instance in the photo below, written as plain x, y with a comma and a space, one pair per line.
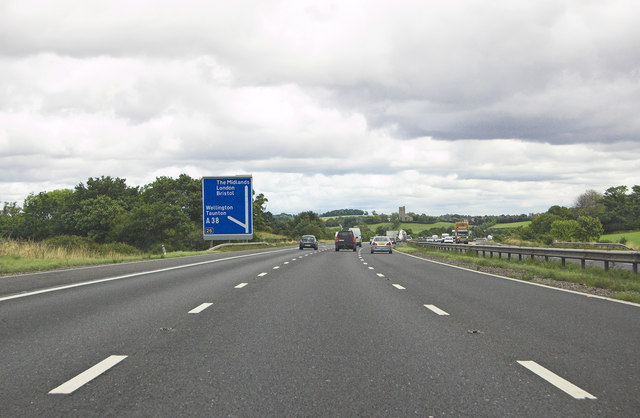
606, 265
509, 256
519, 257
582, 263
562, 258
635, 268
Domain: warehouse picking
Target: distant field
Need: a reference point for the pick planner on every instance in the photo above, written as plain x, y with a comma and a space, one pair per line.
326, 218
413, 226
511, 225
633, 238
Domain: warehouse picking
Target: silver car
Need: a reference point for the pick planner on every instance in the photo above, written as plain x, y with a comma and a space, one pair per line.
381, 244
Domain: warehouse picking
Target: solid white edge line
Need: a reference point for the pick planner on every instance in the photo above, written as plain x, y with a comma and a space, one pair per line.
126, 276
399, 287
556, 380
241, 285
87, 376
587, 295
436, 310
200, 308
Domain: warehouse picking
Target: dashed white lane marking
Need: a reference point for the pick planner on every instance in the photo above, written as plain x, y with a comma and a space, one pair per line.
286, 262
241, 285
276, 267
397, 286
86, 376
370, 268
365, 263
126, 276
262, 274
435, 309
380, 274
200, 308
556, 380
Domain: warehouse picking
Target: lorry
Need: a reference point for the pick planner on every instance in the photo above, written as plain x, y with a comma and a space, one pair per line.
461, 233
396, 236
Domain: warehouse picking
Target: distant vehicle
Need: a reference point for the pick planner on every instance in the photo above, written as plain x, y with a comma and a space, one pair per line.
308, 241
461, 233
430, 239
358, 235
448, 240
381, 244
393, 236
444, 236
435, 238
345, 240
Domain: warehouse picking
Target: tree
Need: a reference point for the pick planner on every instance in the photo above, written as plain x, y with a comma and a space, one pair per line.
589, 228
115, 188
542, 224
564, 230
619, 211
306, 223
589, 204
184, 193
259, 217
149, 226
46, 214
96, 216
561, 212
10, 220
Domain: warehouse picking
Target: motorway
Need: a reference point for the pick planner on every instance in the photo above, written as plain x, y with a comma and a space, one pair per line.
284, 332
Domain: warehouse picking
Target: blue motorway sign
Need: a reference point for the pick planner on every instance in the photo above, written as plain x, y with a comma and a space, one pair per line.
227, 209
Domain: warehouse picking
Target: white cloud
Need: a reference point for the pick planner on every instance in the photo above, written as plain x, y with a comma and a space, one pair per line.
440, 106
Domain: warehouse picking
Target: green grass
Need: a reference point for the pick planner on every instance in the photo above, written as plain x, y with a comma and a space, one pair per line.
511, 225
27, 256
619, 284
633, 238
415, 227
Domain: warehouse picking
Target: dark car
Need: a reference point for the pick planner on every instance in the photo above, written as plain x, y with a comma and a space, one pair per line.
308, 241
345, 240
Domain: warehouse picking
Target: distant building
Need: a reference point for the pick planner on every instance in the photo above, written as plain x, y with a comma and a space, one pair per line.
402, 215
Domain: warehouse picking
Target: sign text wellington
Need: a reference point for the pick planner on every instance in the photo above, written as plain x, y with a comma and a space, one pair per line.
227, 210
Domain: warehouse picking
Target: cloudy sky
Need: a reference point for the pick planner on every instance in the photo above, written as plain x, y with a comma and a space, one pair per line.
457, 106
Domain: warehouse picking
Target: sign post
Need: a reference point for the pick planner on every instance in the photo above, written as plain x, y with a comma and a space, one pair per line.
227, 212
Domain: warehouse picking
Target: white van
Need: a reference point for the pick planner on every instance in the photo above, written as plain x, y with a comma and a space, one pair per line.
358, 235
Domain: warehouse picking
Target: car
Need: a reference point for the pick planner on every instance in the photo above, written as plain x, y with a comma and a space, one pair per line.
381, 244
345, 239
448, 240
308, 241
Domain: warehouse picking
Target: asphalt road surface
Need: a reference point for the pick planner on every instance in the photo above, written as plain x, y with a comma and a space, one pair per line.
310, 333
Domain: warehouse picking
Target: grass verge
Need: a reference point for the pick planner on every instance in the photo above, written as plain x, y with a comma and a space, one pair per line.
617, 284
28, 256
